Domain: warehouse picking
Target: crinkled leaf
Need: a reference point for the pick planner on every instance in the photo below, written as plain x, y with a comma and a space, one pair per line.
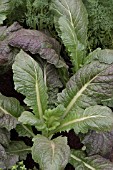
7, 160
75, 48
6, 120
96, 117
28, 80
71, 23
10, 161
53, 83
53, 79
6, 56
2, 152
4, 5
22, 131
7, 32
4, 137
75, 13
11, 105
10, 109
50, 154
81, 162
18, 148
52, 117
29, 118
89, 86
104, 56
98, 143
52, 93
37, 42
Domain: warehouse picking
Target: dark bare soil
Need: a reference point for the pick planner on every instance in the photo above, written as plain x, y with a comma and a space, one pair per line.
7, 89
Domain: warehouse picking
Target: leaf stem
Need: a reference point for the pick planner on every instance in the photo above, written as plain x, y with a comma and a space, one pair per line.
32, 134
80, 160
20, 150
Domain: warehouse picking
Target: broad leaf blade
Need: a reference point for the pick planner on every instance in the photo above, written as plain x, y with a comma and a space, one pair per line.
28, 118
80, 161
28, 80
104, 56
89, 86
98, 143
97, 117
75, 13
50, 154
37, 42
75, 48
71, 23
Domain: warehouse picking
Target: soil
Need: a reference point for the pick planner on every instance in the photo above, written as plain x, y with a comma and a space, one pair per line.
7, 89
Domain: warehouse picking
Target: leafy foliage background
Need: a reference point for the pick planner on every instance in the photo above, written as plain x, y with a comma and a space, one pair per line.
100, 28
33, 13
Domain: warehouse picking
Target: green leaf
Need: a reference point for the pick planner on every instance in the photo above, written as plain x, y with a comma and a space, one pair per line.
71, 22
104, 56
88, 87
52, 117
18, 148
96, 117
24, 131
81, 162
4, 5
11, 106
28, 80
28, 118
50, 154
98, 143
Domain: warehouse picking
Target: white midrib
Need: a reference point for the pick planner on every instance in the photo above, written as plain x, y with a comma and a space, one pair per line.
38, 100
1, 108
70, 15
79, 160
53, 150
79, 120
39, 105
70, 105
